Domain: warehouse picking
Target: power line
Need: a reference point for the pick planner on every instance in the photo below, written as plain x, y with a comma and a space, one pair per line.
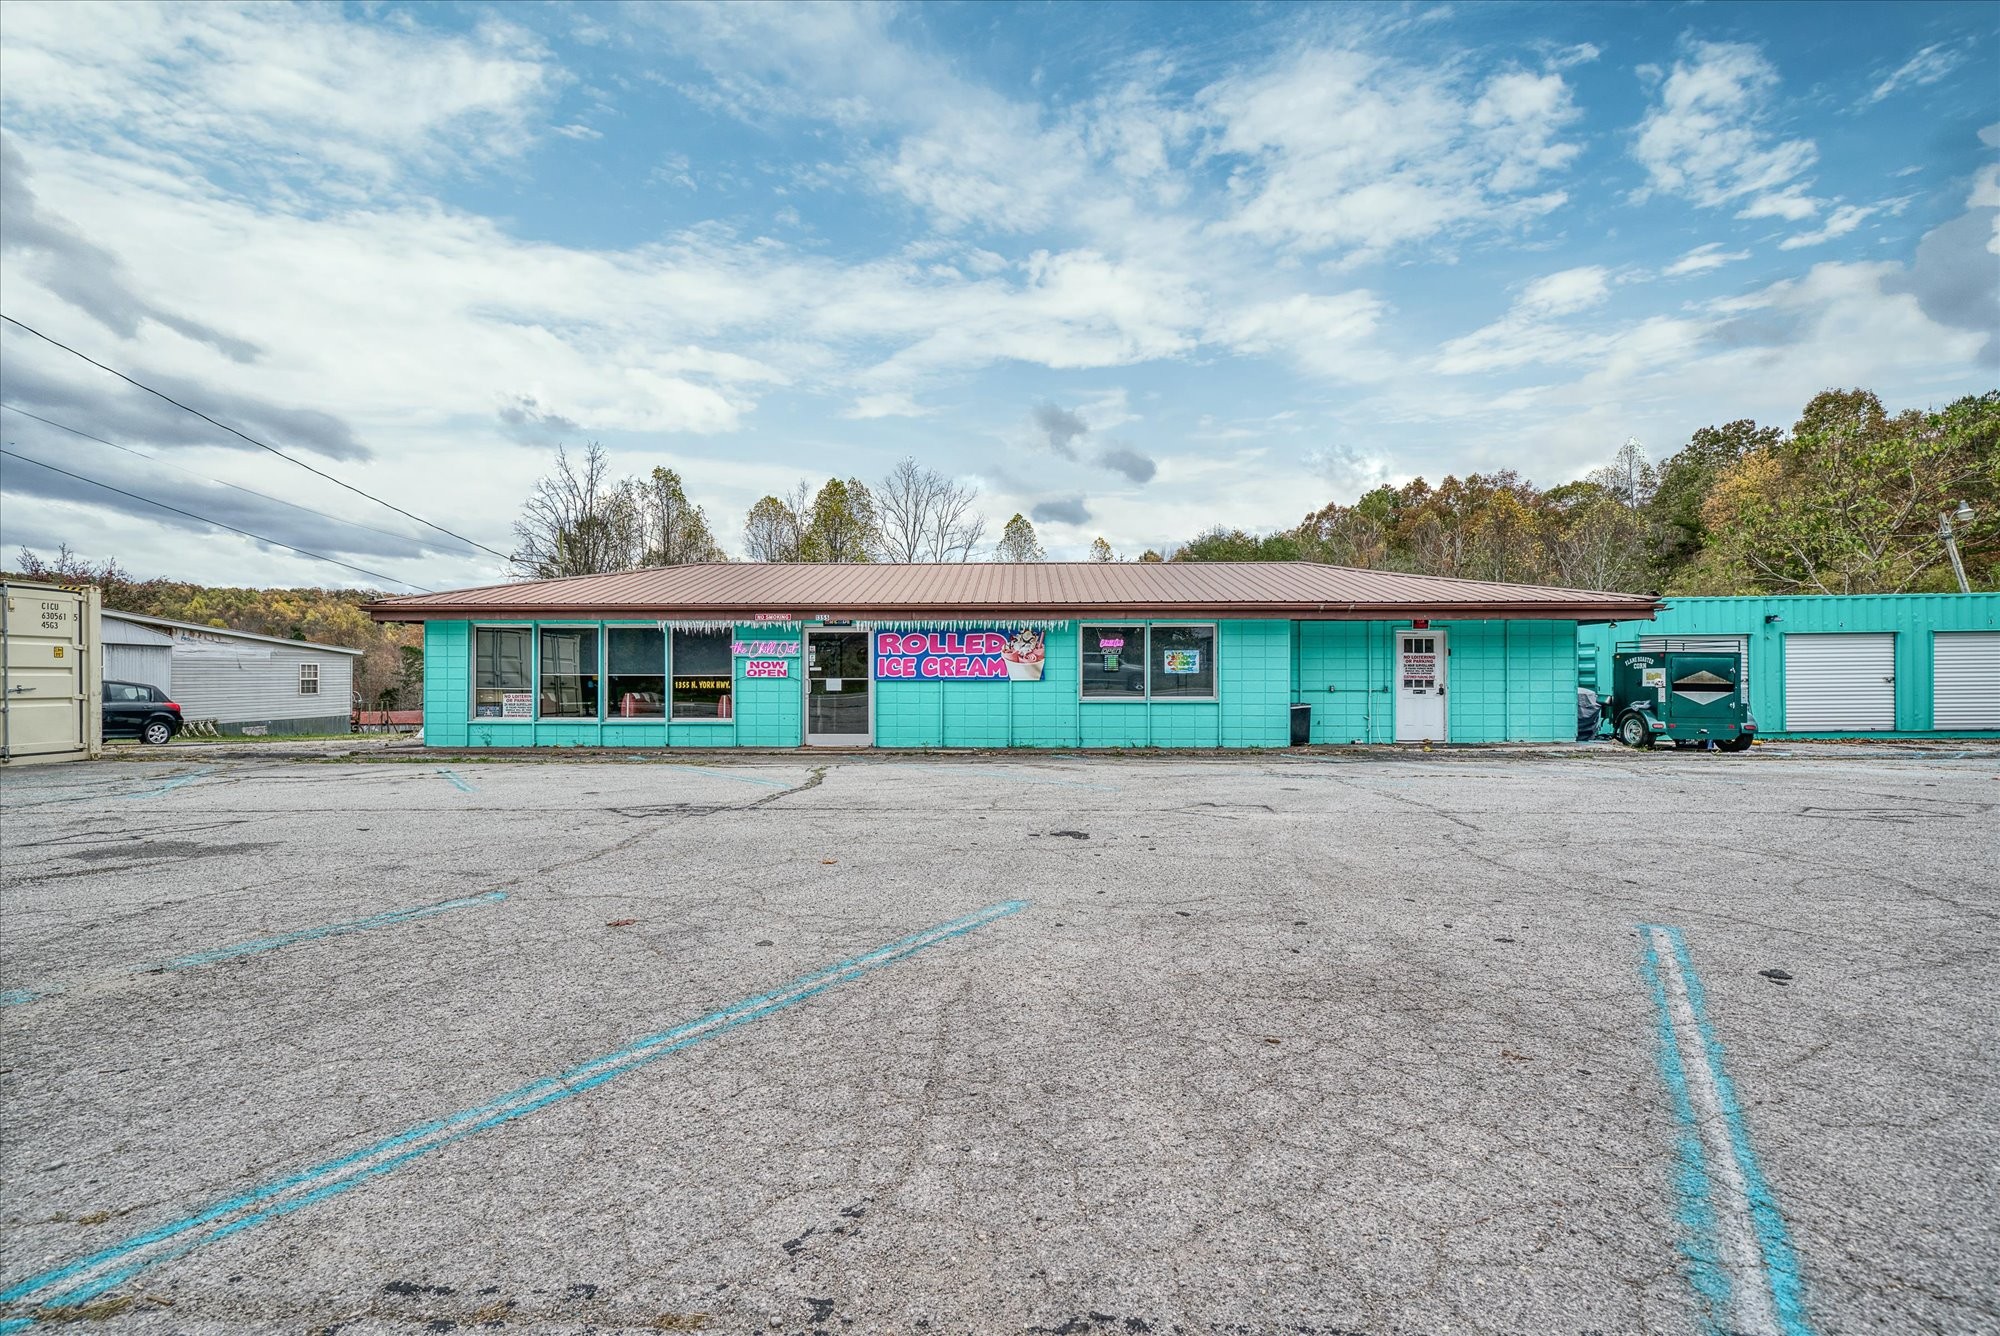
316, 556
219, 482
159, 394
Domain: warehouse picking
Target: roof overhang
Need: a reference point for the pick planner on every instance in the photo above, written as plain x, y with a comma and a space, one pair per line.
1639, 609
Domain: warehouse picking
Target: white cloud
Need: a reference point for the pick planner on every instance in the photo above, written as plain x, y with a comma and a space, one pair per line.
1926, 67
1705, 138
1702, 259
1324, 335
871, 406
1583, 53
1351, 152
1838, 224
578, 132
1566, 292
288, 90
1532, 332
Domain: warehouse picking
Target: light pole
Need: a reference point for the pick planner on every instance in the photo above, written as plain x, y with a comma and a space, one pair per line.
1964, 516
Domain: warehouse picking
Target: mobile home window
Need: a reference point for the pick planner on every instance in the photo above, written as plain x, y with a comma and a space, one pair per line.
704, 684
638, 663
569, 672
1114, 662
309, 679
503, 685
1182, 662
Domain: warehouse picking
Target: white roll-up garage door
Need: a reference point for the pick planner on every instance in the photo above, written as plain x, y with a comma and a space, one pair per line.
1840, 683
1966, 685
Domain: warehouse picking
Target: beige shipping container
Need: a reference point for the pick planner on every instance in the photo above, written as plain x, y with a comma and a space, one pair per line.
52, 673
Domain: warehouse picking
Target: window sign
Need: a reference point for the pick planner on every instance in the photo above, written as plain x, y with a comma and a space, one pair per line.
976, 656
704, 684
1183, 662
1114, 662
501, 660
765, 649
767, 668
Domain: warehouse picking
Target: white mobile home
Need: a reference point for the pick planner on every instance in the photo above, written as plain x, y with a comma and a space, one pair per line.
243, 683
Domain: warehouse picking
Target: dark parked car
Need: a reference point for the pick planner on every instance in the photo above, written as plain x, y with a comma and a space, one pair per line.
135, 710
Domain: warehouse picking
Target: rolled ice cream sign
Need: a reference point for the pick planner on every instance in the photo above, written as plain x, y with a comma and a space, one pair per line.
972, 656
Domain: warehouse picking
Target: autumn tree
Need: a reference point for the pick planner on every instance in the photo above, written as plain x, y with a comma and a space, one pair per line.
1220, 544
775, 529
672, 530
576, 521
1100, 551
1676, 532
1848, 503
1018, 542
922, 515
842, 524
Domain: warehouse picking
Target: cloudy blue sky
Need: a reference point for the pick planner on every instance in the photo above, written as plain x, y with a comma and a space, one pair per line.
1130, 269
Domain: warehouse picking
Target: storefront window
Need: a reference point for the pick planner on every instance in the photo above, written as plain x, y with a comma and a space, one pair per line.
1183, 662
503, 686
1114, 662
637, 659
569, 672
703, 681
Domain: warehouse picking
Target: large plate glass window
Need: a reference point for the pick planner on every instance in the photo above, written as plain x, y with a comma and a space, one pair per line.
569, 672
637, 659
703, 675
1182, 660
1114, 662
503, 685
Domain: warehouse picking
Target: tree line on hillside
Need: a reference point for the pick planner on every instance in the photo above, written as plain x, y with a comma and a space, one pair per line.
388, 676
1846, 502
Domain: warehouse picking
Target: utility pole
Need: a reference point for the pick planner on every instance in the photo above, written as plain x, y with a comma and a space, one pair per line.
1964, 516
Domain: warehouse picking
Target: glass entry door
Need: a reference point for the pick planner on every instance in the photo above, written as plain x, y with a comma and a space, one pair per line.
837, 689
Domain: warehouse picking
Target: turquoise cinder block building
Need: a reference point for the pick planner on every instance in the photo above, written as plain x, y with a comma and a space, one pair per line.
1830, 666
1066, 655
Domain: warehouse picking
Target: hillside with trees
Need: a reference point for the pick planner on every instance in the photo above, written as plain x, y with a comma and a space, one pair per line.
1845, 502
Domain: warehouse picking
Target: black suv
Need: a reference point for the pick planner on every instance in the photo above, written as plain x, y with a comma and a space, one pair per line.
135, 710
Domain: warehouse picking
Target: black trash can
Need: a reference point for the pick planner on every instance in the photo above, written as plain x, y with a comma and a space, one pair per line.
1302, 725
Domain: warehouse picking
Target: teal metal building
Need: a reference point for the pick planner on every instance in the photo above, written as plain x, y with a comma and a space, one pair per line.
1062, 655
1837, 666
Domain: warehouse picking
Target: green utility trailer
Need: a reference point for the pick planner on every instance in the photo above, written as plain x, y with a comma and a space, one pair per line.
1691, 697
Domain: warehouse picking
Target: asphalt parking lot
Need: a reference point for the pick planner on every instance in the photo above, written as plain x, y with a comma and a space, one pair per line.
1596, 1043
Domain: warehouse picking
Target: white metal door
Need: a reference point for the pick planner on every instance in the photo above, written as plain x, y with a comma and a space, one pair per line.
1840, 683
1420, 685
1966, 679
45, 638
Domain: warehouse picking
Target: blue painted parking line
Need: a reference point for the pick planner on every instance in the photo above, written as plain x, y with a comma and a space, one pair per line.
740, 779
458, 783
284, 939
1739, 1256
177, 782
88, 1277
17, 997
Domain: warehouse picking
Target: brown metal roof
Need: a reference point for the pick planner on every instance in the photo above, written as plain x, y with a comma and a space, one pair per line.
1051, 589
